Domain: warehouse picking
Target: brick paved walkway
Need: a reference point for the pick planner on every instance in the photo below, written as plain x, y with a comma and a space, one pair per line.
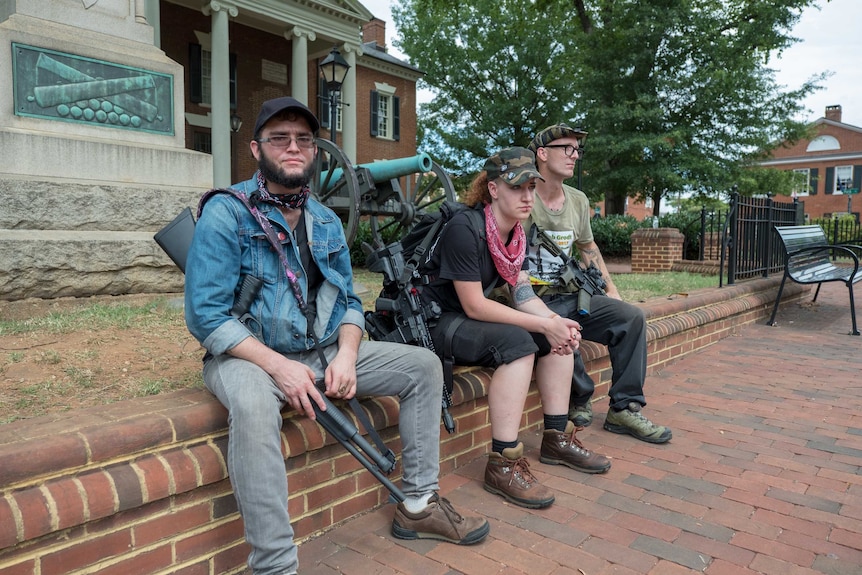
763, 475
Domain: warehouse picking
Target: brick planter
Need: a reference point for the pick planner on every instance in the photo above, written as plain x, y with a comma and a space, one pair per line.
655, 249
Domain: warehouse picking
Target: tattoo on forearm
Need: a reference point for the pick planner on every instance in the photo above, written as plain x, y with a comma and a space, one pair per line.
594, 256
591, 255
522, 292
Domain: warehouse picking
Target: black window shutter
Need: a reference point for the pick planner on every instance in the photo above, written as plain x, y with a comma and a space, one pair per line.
396, 118
232, 76
830, 180
813, 181
323, 103
374, 112
857, 177
196, 93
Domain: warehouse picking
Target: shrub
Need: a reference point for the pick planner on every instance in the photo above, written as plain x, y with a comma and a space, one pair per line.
841, 230
363, 234
613, 234
688, 223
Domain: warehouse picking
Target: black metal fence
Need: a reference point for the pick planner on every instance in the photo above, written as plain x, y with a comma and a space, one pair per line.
840, 230
748, 245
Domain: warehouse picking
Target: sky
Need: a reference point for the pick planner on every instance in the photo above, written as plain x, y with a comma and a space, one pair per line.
831, 39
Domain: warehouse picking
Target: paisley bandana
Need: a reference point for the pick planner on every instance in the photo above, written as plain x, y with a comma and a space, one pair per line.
292, 201
507, 258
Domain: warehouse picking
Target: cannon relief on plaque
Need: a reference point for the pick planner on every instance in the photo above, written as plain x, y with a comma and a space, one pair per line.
54, 85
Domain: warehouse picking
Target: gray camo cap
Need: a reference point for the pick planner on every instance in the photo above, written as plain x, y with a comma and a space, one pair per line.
555, 132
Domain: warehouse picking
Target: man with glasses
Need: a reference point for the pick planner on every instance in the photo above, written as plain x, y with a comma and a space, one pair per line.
258, 366
563, 213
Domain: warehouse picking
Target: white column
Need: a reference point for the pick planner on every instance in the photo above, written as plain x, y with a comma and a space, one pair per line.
348, 96
152, 11
140, 9
220, 97
299, 63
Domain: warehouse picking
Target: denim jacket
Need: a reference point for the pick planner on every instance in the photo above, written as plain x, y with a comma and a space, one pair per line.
229, 243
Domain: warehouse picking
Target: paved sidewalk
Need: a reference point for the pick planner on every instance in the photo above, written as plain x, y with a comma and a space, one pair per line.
763, 475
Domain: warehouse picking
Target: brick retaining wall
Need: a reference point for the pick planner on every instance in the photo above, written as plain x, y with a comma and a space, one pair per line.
140, 487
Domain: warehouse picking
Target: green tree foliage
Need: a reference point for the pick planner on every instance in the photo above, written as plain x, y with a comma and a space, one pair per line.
759, 180
499, 69
677, 94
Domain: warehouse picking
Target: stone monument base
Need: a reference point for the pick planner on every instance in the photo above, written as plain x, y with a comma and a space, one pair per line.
81, 236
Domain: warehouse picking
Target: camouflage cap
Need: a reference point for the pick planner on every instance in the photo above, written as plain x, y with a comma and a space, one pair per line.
515, 165
555, 132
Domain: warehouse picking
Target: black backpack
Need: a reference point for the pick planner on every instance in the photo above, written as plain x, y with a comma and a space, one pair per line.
419, 242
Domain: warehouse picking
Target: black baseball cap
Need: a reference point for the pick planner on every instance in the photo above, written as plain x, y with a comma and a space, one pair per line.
273, 107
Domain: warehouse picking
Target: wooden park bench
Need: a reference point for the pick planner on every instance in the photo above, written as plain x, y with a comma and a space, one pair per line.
809, 260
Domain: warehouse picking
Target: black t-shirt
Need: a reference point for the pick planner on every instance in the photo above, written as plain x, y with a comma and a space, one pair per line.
459, 254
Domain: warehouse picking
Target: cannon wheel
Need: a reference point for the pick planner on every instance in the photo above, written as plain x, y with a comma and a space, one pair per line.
342, 196
422, 193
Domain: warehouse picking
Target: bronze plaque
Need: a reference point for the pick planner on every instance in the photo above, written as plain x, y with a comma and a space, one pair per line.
58, 86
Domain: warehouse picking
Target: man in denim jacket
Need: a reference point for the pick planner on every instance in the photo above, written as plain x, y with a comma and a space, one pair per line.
257, 366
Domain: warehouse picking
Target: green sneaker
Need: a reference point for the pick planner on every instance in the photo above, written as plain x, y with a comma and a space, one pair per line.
632, 421
581, 415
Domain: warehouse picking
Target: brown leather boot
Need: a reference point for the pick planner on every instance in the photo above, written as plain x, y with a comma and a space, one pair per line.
439, 520
563, 448
509, 475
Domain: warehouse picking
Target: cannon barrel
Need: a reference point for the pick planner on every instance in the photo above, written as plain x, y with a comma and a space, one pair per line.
387, 169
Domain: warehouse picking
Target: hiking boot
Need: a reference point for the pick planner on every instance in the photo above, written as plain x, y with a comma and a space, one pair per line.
564, 448
439, 521
633, 422
509, 475
581, 415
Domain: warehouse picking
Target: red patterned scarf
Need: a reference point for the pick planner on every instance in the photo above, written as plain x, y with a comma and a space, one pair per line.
507, 258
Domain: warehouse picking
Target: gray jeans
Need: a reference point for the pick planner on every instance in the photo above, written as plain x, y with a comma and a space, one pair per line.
255, 461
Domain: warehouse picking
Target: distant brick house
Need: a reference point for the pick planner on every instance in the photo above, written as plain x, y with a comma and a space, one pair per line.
274, 50
829, 167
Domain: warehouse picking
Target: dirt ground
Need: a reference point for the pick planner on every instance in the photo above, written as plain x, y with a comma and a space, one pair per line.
52, 368
82, 360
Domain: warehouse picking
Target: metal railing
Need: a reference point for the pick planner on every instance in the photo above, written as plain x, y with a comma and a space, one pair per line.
840, 230
748, 245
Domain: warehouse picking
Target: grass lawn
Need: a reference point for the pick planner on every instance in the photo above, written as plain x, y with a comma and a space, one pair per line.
633, 287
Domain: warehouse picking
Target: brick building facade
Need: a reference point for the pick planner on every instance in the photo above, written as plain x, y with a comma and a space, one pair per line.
829, 167
262, 58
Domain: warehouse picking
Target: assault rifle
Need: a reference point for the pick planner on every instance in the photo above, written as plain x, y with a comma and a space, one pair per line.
573, 278
400, 316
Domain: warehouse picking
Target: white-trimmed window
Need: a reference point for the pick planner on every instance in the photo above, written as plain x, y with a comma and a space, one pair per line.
200, 72
324, 109
801, 182
385, 112
843, 179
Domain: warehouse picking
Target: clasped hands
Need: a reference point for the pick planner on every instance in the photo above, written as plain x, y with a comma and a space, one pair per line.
564, 335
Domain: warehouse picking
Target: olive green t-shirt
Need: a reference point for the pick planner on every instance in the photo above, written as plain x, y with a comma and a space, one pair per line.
567, 227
